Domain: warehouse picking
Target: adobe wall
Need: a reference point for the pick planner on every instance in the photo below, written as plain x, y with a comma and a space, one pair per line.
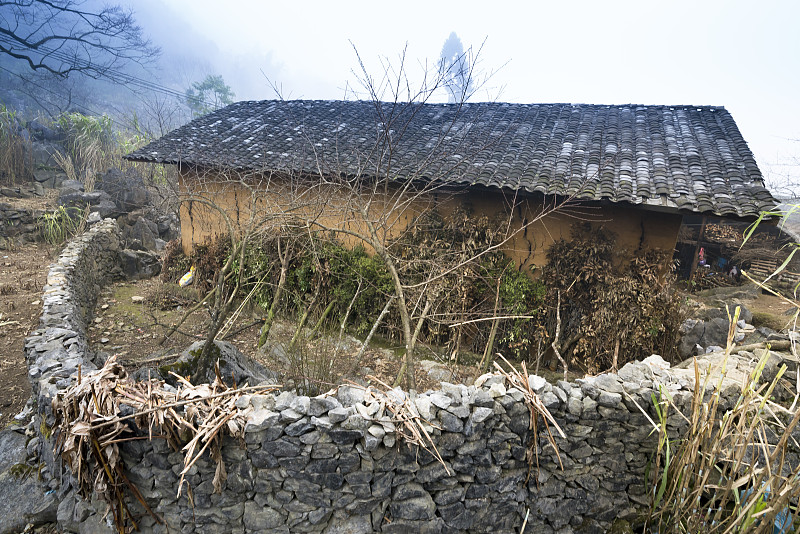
636, 229
338, 463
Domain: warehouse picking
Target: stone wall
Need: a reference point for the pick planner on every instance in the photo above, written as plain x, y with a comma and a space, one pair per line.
17, 226
60, 344
337, 463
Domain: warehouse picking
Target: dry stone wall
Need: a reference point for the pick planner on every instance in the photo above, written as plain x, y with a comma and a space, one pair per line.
17, 226
337, 463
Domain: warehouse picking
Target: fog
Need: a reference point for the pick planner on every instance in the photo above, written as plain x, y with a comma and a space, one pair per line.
736, 54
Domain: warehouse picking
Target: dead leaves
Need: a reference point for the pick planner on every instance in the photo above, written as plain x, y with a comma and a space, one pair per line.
91, 427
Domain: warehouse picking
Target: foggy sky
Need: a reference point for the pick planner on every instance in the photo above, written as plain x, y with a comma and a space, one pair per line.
736, 54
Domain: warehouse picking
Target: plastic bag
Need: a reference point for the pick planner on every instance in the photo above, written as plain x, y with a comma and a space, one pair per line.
187, 278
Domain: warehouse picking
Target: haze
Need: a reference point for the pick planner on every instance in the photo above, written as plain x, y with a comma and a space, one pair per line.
741, 55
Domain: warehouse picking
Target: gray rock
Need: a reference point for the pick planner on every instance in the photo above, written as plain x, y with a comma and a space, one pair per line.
609, 400
23, 499
259, 518
234, 366
126, 190
350, 395
300, 404
608, 382
480, 414
139, 264
350, 525
417, 508
322, 404
439, 400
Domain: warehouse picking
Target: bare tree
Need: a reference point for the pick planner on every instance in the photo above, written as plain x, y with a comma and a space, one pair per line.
368, 194
62, 37
374, 200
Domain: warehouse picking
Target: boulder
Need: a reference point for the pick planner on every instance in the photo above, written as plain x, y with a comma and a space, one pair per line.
48, 178
704, 334
23, 499
233, 365
139, 264
69, 187
721, 312
169, 227
42, 132
141, 235
125, 188
43, 153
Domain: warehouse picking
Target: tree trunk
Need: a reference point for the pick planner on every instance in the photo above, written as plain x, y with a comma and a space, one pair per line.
276, 298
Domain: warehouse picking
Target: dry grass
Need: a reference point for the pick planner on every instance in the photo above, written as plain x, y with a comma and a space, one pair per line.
729, 471
519, 381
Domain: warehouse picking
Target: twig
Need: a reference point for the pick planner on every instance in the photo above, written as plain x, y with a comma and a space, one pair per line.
267, 388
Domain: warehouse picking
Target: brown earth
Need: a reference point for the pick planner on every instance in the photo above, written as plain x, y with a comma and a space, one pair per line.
22, 277
132, 319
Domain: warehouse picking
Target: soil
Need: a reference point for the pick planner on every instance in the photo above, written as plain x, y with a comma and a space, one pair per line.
132, 319
23, 273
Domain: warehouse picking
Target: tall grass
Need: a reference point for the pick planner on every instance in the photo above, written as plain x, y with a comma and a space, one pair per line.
93, 145
730, 471
57, 227
16, 162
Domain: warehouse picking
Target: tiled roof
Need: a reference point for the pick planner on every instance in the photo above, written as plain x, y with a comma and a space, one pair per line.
674, 157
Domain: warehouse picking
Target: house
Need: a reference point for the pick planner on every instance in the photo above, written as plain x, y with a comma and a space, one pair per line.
635, 169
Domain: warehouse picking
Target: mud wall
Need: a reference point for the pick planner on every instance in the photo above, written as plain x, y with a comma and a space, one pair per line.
205, 195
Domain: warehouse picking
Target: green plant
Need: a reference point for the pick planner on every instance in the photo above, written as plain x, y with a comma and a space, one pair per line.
209, 95
62, 224
90, 144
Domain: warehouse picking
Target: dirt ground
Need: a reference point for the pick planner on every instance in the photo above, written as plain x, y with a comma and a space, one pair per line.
132, 319
23, 274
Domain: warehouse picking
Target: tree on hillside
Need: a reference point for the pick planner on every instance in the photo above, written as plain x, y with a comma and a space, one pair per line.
64, 36
209, 95
456, 70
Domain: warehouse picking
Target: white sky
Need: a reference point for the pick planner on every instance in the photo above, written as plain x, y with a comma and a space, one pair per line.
739, 54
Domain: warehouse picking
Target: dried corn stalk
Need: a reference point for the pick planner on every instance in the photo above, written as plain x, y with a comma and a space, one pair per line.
406, 421
90, 428
519, 381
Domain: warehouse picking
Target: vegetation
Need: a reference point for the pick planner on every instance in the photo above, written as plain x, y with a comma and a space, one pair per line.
209, 95
62, 37
353, 286
730, 470
16, 164
734, 468
59, 226
612, 312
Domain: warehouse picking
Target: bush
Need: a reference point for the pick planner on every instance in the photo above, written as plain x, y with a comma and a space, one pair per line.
610, 313
58, 227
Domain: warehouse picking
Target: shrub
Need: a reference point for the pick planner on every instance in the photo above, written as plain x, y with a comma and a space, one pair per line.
730, 471
58, 227
611, 313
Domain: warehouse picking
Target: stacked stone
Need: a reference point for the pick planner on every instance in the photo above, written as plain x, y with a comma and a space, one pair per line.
17, 226
340, 463
60, 345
